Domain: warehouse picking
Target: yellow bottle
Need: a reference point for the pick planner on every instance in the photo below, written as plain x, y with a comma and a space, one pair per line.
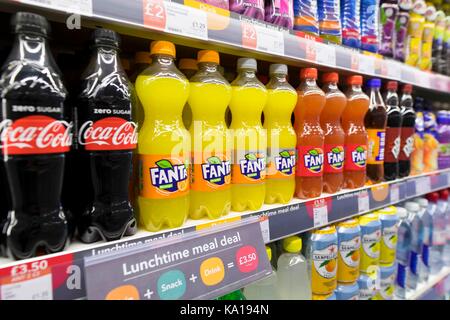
281, 137
415, 32
188, 67
248, 99
209, 97
164, 143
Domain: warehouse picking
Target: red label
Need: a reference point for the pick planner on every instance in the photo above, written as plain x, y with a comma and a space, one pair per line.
35, 135
355, 157
247, 259
249, 37
154, 14
392, 147
334, 158
110, 133
309, 162
407, 143
350, 33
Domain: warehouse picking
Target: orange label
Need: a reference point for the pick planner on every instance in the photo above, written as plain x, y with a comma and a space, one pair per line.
162, 177
281, 163
210, 172
249, 167
375, 152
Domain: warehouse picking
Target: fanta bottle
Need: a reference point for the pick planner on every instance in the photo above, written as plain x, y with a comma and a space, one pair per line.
355, 134
310, 138
330, 120
164, 143
188, 67
249, 96
280, 183
209, 96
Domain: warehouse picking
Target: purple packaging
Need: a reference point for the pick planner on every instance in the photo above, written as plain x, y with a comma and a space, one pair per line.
224, 4
388, 14
249, 8
401, 29
280, 12
443, 133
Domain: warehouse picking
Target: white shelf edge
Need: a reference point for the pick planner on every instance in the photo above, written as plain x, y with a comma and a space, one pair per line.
433, 280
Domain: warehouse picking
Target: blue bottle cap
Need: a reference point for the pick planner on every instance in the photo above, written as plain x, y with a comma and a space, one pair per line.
374, 83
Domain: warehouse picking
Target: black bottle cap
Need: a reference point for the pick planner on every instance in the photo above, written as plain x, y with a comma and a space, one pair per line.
30, 23
106, 37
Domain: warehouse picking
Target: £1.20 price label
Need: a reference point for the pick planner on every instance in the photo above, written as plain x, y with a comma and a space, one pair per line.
262, 38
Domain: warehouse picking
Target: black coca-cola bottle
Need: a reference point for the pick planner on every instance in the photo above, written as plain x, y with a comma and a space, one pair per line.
394, 123
107, 136
35, 137
407, 135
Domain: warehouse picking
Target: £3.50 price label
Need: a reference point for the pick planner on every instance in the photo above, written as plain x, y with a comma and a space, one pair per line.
175, 18
262, 38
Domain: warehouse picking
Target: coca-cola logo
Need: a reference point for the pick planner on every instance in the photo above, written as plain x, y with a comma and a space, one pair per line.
110, 133
35, 135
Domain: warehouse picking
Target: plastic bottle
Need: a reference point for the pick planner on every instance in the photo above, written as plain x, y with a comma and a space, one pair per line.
443, 133
305, 17
249, 8
417, 238
280, 13
430, 142
415, 32
310, 137
407, 131
266, 288
370, 25
403, 253
281, 100
142, 60
329, 20
439, 226
446, 258
188, 67
401, 29
425, 59
425, 214
293, 279
393, 132
356, 141
33, 97
417, 166
388, 16
350, 22
330, 121
107, 137
375, 123
446, 48
249, 96
237, 295
209, 97
164, 143
437, 58
126, 65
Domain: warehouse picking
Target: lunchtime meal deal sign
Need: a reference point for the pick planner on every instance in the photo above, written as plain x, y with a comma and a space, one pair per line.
202, 265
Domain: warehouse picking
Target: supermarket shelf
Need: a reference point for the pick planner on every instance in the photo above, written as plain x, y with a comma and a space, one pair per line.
277, 221
203, 26
437, 282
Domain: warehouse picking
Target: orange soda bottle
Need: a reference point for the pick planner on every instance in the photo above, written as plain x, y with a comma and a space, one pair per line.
310, 138
330, 121
352, 121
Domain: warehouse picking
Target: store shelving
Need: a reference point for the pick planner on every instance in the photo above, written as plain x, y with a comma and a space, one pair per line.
199, 25
440, 279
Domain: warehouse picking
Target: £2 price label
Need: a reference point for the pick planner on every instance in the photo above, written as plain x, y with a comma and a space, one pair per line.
154, 14
249, 37
262, 38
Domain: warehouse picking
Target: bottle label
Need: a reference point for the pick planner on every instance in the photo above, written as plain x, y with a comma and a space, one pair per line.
355, 157
377, 138
401, 275
324, 270
111, 133
281, 163
249, 167
334, 158
371, 244
309, 162
349, 256
413, 263
426, 255
393, 142
163, 176
210, 173
407, 143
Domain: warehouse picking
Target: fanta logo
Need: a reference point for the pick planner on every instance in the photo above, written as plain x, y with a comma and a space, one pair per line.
253, 165
314, 160
335, 158
169, 177
285, 162
359, 156
215, 170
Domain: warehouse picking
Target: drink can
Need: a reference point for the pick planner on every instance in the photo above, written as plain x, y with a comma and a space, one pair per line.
347, 291
370, 241
389, 227
349, 242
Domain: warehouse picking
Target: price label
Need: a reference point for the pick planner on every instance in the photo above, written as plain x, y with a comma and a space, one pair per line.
395, 193
320, 213
310, 47
262, 38
423, 79
354, 61
363, 201
366, 64
423, 185
325, 54
394, 69
264, 222
83, 7
247, 259
28, 286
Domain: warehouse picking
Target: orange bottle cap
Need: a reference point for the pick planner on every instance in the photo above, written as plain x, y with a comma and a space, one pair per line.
355, 80
330, 77
187, 64
308, 73
208, 56
162, 47
142, 57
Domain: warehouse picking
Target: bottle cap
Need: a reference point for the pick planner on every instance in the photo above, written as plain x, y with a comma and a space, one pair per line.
187, 64
292, 244
355, 80
433, 197
30, 23
422, 202
163, 47
407, 88
330, 77
278, 68
269, 253
125, 64
412, 206
208, 56
443, 194
106, 37
142, 57
308, 73
402, 212
392, 85
374, 83
247, 63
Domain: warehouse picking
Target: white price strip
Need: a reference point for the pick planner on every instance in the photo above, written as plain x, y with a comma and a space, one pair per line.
269, 40
366, 64
325, 54
320, 212
423, 79
395, 193
83, 7
35, 288
394, 69
186, 21
423, 185
265, 229
363, 201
